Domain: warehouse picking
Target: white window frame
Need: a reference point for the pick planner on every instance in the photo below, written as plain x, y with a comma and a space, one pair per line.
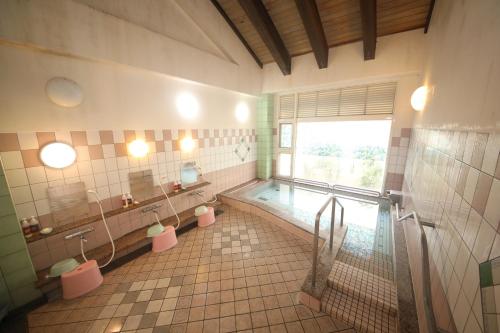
295, 120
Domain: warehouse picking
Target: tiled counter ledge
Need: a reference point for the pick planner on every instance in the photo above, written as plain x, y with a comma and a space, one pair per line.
113, 212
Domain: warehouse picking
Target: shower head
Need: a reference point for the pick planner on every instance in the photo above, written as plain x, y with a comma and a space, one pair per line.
95, 194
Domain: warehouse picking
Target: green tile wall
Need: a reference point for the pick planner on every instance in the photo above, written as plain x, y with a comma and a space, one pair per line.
265, 112
17, 275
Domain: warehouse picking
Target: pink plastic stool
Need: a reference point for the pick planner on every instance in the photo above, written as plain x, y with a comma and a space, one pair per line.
207, 219
81, 280
166, 240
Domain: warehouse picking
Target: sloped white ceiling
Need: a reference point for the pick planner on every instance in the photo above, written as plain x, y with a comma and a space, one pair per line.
164, 17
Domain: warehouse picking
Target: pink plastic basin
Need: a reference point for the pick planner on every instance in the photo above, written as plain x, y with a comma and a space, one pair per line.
207, 219
81, 280
166, 240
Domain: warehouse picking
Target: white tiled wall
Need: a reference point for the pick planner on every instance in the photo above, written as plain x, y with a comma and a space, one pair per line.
453, 179
105, 166
109, 175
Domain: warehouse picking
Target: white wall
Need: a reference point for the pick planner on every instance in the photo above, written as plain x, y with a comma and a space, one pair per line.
115, 96
396, 54
76, 29
463, 66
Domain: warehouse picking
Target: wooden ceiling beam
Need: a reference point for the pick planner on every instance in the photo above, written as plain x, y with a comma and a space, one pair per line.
258, 15
236, 31
429, 16
308, 11
369, 23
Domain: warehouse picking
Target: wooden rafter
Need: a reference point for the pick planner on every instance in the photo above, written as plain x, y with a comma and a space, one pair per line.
258, 15
309, 14
429, 16
236, 31
369, 24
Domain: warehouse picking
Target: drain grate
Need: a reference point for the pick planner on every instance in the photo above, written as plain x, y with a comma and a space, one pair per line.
262, 198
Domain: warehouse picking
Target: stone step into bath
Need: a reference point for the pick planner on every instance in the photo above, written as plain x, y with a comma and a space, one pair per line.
366, 317
363, 285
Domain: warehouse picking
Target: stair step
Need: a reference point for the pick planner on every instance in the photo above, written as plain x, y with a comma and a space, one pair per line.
364, 316
376, 263
367, 287
326, 259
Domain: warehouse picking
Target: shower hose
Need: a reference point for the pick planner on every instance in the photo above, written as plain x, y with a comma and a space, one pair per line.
82, 240
171, 206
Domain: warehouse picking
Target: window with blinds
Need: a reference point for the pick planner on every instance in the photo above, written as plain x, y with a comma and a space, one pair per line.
359, 100
287, 106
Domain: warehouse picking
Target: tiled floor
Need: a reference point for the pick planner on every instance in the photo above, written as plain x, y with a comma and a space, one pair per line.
241, 274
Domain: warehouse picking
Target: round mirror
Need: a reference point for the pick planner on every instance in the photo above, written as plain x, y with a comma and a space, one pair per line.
58, 155
64, 92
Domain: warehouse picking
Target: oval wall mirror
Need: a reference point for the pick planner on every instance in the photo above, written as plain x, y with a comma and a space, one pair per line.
64, 92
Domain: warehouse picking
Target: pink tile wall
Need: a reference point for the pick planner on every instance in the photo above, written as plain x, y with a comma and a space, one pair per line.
453, 179
396, 160
103, 164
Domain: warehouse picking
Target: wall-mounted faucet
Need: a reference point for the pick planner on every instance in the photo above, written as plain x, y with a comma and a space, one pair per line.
196, 192
79, 233
151, 208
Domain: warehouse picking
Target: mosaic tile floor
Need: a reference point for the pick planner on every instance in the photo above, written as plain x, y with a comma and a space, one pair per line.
241, 274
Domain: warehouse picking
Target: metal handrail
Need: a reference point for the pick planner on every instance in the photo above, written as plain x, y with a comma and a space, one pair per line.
311, 182
429, 310
332, 188
363, 191
334, 201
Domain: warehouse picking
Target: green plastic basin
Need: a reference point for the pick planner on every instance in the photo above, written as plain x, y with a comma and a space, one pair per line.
63, 266
155, 230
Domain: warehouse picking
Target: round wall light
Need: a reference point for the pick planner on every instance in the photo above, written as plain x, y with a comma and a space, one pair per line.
187, 106
138, 148
187, 144
58, 155
419, 98
64, 92
242, 112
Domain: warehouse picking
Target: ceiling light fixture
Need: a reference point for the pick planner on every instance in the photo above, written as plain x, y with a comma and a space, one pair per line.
187, 105
187, 144
242, 111
138, 148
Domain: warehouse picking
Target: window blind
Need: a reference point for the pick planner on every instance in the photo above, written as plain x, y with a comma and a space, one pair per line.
287, 106
349, 101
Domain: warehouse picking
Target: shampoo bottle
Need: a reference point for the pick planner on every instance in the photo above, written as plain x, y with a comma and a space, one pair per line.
34, 224
26, 228
130, 200
124, 201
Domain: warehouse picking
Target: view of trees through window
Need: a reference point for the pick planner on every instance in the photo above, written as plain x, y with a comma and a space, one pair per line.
351, 153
